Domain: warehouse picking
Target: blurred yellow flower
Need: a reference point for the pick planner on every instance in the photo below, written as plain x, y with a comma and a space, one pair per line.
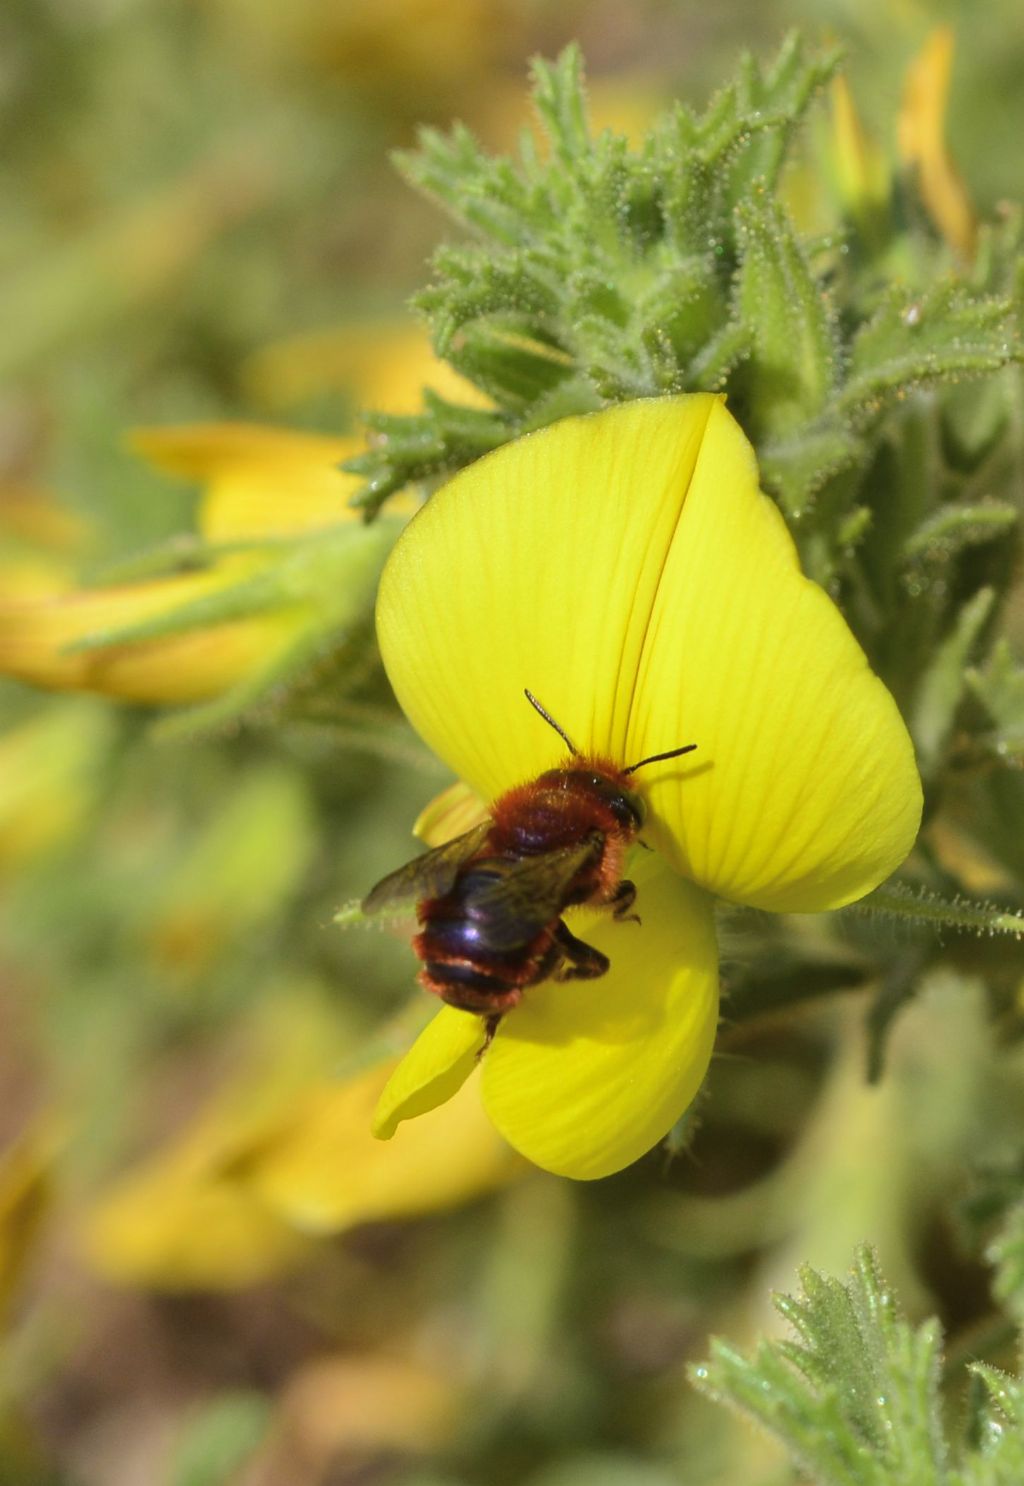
859, 165
323, 1171
193, 636
626, 568
40, 543
409, 49
258, 481
383, 365
38, 639
281, 1154
922, 142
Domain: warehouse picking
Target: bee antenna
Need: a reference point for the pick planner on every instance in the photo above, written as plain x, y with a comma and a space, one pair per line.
656, 758
551, 722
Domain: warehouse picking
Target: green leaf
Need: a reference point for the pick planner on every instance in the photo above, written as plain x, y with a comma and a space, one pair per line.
942, 683
560, 102
795, 468
855, 1398
950, 529
793, 364
914, 341
999, 686
1007, 1254
219, 1440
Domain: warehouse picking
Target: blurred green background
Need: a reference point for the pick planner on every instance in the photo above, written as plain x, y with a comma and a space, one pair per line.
204, 1276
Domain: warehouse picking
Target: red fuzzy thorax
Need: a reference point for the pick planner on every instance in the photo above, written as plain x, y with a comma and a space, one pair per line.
564, 807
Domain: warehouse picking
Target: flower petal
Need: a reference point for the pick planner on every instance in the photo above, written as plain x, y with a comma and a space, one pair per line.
432, 1071
37, 636
455, 810
260, 481
537, 567
323, 1171
922, 142
626, 568
585, 1076
804, 793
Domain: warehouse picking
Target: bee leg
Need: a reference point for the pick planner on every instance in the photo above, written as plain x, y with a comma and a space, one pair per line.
584, 962
491, 1024
622, 901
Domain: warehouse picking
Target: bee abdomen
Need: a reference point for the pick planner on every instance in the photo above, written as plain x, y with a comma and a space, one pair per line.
487, 984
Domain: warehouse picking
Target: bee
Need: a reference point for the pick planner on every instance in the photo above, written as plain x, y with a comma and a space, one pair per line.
490, 903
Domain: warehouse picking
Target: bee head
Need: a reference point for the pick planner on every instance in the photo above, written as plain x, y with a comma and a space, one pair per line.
626, 807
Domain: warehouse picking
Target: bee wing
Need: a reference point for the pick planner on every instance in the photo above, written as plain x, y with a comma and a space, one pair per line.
429, 876
524, 895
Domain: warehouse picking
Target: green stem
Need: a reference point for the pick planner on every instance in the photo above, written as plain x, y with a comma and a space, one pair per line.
898, 901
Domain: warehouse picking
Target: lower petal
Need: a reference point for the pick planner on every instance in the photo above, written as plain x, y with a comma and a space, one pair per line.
585, 1076
432, 1071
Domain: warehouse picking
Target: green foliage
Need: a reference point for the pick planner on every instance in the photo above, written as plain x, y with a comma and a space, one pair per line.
856, 1398
220, 1440
1007, 1253
999, 687
597, 273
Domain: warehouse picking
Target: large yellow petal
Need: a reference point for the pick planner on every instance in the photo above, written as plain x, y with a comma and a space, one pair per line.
804, 793
626, 568
584, 1077
537, 567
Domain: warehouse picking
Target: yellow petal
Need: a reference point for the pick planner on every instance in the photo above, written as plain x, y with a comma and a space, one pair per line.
259, 481
35, 636
626, 568
384, 365
451, 813
169, 1229
435, 1067
537, 567
324, 1171
860, 167
187, 1216
584, 1077
922, 142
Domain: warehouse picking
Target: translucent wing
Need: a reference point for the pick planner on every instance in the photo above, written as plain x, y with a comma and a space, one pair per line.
429, 876
512, 900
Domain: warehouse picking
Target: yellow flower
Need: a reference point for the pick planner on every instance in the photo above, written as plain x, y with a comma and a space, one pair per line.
38, 637
192, 637
406, 49
922, 142
384, 365
859, 167
283, 1153
323, 1171
626, 568
258, 481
